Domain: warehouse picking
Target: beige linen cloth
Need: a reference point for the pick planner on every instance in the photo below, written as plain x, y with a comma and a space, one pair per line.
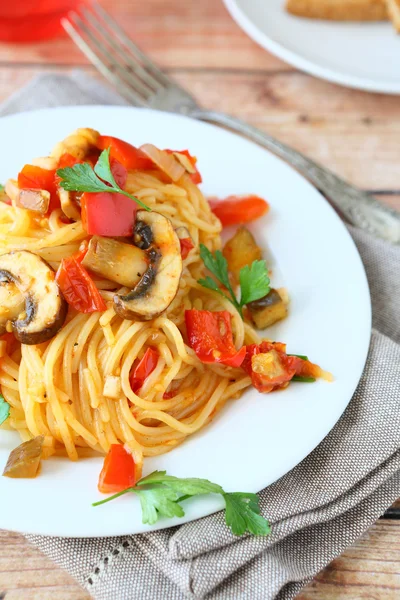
316, 510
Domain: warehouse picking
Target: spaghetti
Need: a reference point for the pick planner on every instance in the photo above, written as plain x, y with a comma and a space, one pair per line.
75, 389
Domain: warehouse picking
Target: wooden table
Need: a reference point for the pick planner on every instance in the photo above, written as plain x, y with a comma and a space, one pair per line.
354, 133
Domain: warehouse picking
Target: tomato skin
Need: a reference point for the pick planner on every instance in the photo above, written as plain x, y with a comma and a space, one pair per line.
210, 336
106, 213
118, 472
131, 157
186, 246
235, 210
143, 369
77, 286
36, 178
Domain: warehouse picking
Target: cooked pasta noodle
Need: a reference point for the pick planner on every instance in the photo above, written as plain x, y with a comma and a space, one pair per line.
55, 389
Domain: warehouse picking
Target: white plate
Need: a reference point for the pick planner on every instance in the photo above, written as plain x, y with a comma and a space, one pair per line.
258, 438
359, 55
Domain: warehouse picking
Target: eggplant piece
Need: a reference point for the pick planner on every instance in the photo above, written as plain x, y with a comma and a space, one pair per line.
159, 284
24, 461
268, 310
241, 250
30, 298
123, 263
35, 200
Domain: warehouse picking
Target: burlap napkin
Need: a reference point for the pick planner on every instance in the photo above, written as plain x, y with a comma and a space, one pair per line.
317, 509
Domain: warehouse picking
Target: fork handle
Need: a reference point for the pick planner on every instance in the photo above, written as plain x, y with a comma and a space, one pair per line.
357, 206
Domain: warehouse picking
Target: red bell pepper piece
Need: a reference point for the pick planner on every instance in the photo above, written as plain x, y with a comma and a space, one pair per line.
210, 336
118, 472
106, 213
132, 158
143, 369
195, 177
186, 246
77, 286
238, 209
36, 178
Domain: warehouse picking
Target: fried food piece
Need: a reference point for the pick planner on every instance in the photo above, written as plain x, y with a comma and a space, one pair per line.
341, 10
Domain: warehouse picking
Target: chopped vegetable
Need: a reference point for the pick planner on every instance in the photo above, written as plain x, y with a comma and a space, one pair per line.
210, 336
114, 260
160, 495
112, 387
24, 461
118, 472
36, 178
166, 162
83, 178
159, 284
185, 240
189, 163
35, 200
30, 298
270, 368
186, 246
267, 310
235, 210
4, 410
78, 287
241, 250
143, 369
254, 280
132, 158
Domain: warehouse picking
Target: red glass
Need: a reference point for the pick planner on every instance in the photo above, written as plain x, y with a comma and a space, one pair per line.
32, 20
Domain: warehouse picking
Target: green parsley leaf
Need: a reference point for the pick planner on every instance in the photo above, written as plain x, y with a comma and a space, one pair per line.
303, 379
83, 178
218, 266
2, 188
160, 496
103, 168
158, 501
243, 514
4, 410
302, 356
254, 282
191, 486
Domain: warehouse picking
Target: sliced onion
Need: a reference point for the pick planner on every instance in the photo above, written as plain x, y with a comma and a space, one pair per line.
167, 163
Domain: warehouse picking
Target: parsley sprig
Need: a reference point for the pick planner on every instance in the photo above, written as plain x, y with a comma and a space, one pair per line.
4, 410
254, 280
82, 177
161, 495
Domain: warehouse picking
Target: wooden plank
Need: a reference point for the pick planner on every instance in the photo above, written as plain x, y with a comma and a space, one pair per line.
174, 33
370, 569
297, 110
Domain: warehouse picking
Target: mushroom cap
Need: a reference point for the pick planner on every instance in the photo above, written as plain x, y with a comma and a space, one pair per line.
30, 279
160, 282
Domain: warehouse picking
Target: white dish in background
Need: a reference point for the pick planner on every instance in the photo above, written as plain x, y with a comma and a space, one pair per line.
254, 440
359, 55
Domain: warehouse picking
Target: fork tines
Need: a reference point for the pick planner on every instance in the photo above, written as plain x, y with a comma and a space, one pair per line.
114, 54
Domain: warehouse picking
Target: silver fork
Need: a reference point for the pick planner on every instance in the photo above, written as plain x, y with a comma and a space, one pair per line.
143, 84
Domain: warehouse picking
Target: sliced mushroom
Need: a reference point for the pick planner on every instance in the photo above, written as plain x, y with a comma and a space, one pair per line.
69, 205
123, 263
268, 310
24, 460
35, 200
159, 284
30, 299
